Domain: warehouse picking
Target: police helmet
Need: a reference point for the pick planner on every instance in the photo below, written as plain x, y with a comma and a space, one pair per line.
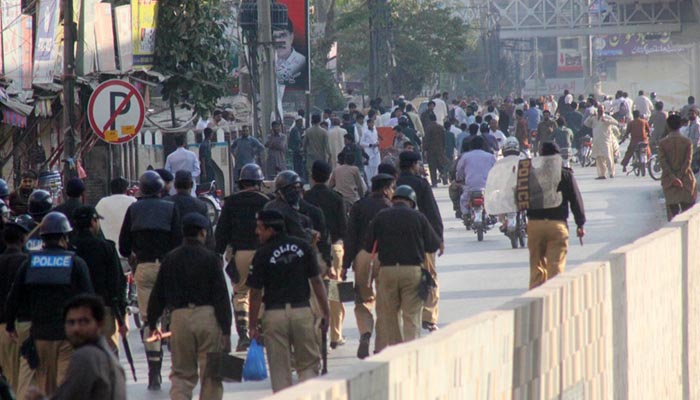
150, 183
40, 203
4, 189
511, 146
54, 223
286, 179
405, 192
251, 172
25, 221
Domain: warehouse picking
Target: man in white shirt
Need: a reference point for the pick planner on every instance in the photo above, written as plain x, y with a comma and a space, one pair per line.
460, 114
440, 109
370, 144
113, 208
336, 140
643, 105
182, 159
500, 136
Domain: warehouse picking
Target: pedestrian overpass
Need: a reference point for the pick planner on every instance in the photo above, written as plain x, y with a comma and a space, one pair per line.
522, 19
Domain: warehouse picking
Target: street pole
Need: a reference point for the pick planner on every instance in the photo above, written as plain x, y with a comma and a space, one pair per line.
68, 85
268, 76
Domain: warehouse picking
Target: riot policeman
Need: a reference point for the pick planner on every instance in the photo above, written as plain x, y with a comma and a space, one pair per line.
151, 229
285, 269
288, 187
105, 269
11, 260
236, 228
46, 281
39, 204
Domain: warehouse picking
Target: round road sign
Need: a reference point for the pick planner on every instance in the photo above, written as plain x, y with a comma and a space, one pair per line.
116, 111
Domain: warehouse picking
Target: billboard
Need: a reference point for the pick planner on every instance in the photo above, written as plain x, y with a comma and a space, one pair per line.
569, 58
292, 47
45, 52
10, 13
143, 32
122, 25
643, 44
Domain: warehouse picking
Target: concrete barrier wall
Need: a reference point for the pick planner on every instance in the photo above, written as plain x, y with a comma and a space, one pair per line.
627, 328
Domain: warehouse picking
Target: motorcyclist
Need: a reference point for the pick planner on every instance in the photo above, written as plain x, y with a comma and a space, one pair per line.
511, 148
473, 168
638, 130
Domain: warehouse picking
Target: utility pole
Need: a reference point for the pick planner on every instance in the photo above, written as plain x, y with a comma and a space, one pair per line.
268, 75
68, 84
378, 49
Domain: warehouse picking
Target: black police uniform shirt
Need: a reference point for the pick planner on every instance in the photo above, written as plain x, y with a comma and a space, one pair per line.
283, 267
361, 214
403, 236
104, 266
151, 228
10, 262
425, 199
48, 280
186, 204
333, 207
296, 223
191, 275
236, 225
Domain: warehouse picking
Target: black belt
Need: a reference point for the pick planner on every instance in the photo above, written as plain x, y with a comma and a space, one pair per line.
282, 306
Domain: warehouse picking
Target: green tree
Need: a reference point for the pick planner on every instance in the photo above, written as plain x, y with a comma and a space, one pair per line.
194, 49
425, 40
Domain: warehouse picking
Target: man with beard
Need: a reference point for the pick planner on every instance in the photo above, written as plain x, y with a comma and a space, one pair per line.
93, 373
19, 199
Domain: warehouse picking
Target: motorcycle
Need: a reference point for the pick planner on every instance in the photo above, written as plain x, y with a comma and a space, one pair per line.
516, 228
584, 154
567, 157
639, 160
653, 166
211, 196
476, 219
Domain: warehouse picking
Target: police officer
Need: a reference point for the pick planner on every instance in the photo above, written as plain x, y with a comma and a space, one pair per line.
46, 281
288, 186
403, 236
39, 204
333, 207
185, 202
356, 256
236, 228
150, 230
105, 268
11, 260
285, 269
425, 201
74, 191
191, 283
168, 178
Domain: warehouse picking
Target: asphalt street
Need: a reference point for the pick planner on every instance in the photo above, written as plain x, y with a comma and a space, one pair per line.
477, 276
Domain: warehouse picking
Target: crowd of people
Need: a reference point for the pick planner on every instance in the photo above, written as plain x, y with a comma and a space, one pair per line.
344, 199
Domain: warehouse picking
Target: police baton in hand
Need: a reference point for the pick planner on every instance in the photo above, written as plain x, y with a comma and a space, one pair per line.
324, 350
125, 341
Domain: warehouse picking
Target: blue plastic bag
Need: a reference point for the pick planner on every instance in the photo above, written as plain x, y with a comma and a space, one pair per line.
254, 368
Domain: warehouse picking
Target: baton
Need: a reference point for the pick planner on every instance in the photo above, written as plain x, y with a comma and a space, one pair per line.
324, 352
125, 342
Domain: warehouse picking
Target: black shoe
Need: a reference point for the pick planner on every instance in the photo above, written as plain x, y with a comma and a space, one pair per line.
458, 214
429, 326
243, 343
600, 177
434, 185
338, 343
363, 348
624, 168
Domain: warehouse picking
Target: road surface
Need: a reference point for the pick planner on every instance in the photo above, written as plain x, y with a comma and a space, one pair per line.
478, 276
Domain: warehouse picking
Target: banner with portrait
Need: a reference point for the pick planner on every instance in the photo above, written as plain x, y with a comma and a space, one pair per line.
292, 46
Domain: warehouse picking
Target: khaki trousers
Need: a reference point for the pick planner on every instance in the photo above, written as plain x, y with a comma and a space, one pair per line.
604, 164
110, 331
145, 278
291, 332
9, 358
241, 291
430, 308
397, 297
54, 357
548, 242
26, 376
195, 332
364, 294
337, 310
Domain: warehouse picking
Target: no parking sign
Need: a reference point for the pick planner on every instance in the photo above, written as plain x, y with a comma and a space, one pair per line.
116, 111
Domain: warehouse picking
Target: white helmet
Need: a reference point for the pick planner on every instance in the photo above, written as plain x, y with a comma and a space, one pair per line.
511, 145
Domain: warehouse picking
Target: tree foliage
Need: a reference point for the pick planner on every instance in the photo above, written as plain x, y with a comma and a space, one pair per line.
425, 40
194, 48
